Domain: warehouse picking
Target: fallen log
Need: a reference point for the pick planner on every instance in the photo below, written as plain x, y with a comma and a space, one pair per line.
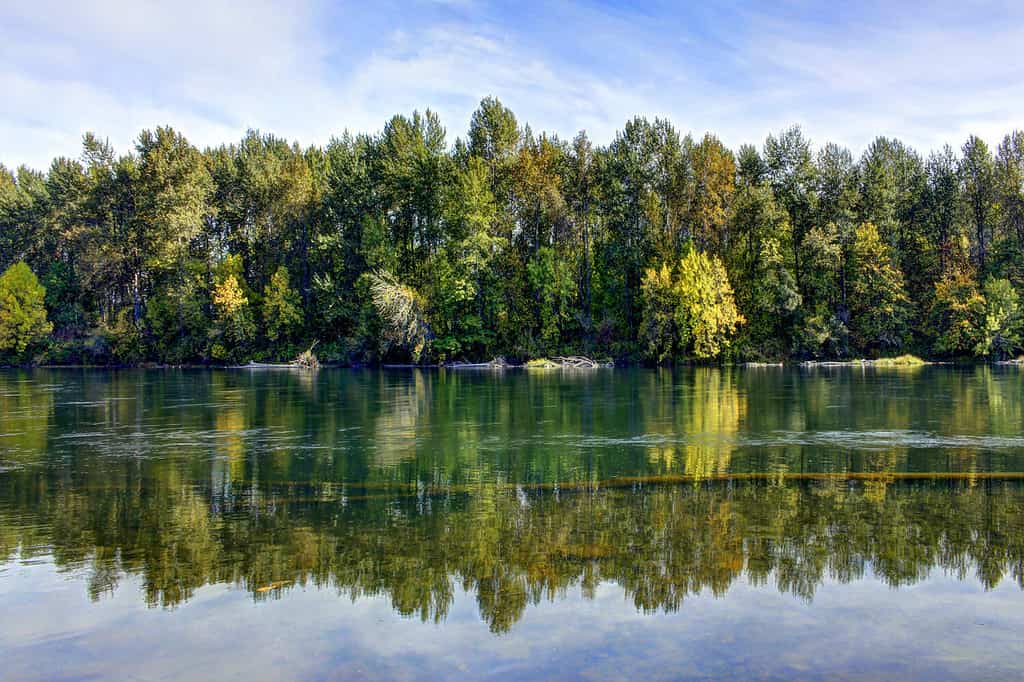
496, 363
570, 362
581, 362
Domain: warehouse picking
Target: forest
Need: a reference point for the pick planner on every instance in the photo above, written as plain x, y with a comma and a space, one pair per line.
402, 246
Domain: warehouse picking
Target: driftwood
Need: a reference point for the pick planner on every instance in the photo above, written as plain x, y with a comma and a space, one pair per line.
571, 362
305, 360
496, 363
581, 362
834, 363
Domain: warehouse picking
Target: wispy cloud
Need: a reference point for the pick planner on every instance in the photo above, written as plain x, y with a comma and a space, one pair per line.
308, 70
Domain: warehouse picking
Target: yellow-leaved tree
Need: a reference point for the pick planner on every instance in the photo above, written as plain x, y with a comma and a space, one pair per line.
234, 327
691, 311
706, 316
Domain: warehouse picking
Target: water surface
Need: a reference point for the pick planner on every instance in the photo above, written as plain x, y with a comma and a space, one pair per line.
761, 523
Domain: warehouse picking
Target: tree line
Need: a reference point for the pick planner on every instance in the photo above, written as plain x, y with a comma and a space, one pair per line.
401, 246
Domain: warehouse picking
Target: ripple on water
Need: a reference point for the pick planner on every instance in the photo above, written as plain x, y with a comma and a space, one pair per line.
885, 439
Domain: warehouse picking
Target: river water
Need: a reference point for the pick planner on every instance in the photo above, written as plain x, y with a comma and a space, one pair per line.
705, 522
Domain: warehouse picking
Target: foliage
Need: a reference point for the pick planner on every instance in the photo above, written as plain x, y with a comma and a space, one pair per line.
23, 323
899, 361
1001, 332
706, 316
957, 316
879, 307
282, 312
514, 242
177, 319
691, 311
551, 278
234, 326
401, 309
124, 338
658, 327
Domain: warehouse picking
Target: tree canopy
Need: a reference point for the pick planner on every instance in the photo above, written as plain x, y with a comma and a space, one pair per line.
410, 245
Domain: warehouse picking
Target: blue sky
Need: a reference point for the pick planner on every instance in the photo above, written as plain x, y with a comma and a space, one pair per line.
308, 69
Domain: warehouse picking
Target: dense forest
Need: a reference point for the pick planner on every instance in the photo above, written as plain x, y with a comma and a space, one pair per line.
401, 246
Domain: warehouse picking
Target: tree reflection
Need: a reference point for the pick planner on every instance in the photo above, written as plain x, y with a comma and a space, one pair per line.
517, 488
513, 547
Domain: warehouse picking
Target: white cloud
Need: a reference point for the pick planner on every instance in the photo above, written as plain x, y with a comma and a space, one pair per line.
214, 69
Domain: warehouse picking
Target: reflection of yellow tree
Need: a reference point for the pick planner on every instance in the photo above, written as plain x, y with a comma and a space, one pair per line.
230, 424
700, 436
882, 467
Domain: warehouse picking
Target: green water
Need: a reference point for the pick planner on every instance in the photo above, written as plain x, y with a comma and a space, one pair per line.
759, 523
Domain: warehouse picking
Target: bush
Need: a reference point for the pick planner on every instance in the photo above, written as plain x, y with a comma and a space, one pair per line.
900, 361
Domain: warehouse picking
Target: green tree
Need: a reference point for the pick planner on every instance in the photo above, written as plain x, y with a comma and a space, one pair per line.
941, 222
493, 132
977, 177
282, 312
643, 198
789, 170
177, 317
173, 189
551, 277
1001, 334
23, 322
658, 329
414, 171
878, 301
761, 266
1009, 182
957, 316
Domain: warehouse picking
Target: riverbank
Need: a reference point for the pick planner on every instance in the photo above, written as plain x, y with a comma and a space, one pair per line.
568, 362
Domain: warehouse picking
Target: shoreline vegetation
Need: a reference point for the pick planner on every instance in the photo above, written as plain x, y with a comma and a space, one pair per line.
408, 247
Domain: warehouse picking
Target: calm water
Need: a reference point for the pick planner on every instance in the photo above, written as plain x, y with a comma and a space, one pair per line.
759, 523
